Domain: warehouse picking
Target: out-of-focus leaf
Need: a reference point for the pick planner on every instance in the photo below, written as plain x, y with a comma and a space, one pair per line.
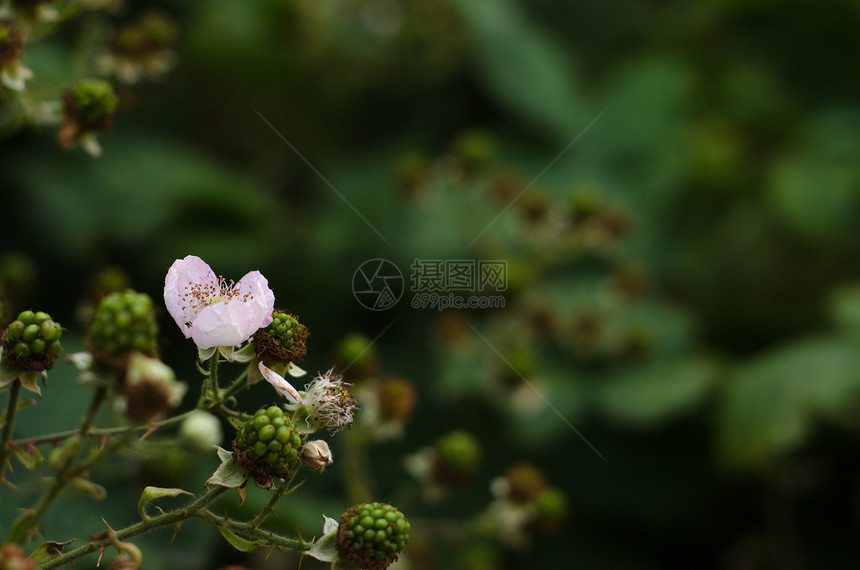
152, 192
817, 189
29, 457
770, 404
845, 307
656, 393
21, 405
523, 68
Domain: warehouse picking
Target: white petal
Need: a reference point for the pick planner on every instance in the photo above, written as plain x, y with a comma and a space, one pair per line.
295, 371
285, 388
181, 275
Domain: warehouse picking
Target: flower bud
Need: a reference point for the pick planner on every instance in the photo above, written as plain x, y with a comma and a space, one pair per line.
150, 389
371, 535
283, 341
316, 456
32, 341
123, 323
140, 48
457, 457
201, 431
123, 563
473, 149
13, 557
13, 75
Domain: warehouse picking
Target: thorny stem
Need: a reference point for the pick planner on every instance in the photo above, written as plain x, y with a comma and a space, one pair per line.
95, 432
276, 496
11, 410
32, 521
237, 385
246, 531
195, 508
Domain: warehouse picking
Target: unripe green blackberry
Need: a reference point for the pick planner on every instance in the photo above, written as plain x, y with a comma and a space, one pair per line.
32, 341
371, 535
357, 352
91, 103
283, 340
457, 457
550, 510
267, 445
396, 398
124, 322
524, 481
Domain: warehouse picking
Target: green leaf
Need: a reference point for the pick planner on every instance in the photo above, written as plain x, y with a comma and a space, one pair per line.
151, 493
523, 68
30, 457
658, 392
845, 307
770, 404
817, 188
238, 543
48, 551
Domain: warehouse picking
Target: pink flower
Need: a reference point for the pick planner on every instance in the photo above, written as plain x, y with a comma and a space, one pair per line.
212, 311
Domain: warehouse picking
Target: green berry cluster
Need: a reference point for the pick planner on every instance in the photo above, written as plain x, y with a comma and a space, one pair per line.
268, 444
92, 103
123, 322
32, 342
283, 340
372, 534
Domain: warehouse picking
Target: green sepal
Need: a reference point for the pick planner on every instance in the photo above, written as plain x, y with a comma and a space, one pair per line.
227, 352
47, 551
325, 549
151, 493
30, 458
229, 474
87, 487
238, 543
245, 354
28, 380
8, 373
343, 564
205, 354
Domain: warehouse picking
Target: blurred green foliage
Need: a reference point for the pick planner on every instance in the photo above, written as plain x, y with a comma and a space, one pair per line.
681, 193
